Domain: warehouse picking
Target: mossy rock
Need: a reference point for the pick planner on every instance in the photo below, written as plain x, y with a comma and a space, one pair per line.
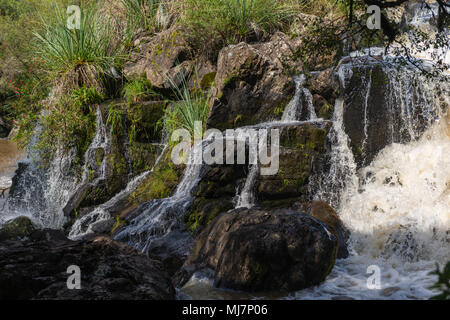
143, 156
208, 80
301, 147
161, 183
145, 117
18, 228
203, 211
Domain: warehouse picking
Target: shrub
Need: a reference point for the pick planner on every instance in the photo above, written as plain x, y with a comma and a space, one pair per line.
139, 90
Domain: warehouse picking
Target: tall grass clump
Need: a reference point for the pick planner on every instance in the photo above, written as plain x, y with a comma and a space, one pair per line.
74, 58
223, 22
141, 14
189, 106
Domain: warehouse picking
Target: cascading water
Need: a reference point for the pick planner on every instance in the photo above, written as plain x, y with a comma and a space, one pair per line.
295, 110
43, 194
87, 224
397, 206
398, 219
161, 218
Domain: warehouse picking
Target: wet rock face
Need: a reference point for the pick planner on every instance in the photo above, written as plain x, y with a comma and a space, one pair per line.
37, 269
253, 82
325, 213
28, 175
255, 250
366, 119
384, 105
325, 89
215, 195
302, 151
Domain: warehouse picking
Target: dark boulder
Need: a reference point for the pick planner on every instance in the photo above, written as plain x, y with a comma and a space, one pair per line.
325, 213
256, 250
37, 269
18, 228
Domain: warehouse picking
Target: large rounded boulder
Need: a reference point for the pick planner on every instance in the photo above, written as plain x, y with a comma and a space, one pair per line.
258, 250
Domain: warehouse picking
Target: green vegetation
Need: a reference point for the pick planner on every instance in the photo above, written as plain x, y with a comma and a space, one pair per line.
69, 124
189, 106
139, 90
443, 283
141, 14
115, 118
78, 57
224, 22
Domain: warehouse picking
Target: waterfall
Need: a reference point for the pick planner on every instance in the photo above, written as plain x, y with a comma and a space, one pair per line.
295, 109
396, 207
159, 218
42, 194
328, 186
246, 198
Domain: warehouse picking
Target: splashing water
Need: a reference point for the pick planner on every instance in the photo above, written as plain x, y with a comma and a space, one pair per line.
399, 220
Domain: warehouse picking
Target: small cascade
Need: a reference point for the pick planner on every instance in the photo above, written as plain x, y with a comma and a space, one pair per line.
296, 110
41, 194
329, 185
100, 142
246, 198
161, 218
291, 115
101, 214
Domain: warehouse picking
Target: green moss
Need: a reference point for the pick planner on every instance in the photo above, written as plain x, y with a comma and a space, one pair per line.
208, 80
18, 228
160, 183
230, 79
118, 224
143, 156
144, 120
204, 211
326, 111
99, 155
